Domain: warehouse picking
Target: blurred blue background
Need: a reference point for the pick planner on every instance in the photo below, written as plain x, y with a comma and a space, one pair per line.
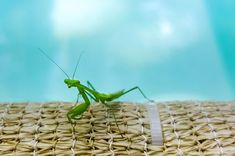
173, 50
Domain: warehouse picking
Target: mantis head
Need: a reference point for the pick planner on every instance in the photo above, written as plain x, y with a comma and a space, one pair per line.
71, 83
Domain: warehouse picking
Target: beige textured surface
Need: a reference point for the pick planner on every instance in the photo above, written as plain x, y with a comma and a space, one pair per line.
198, 128
189, 128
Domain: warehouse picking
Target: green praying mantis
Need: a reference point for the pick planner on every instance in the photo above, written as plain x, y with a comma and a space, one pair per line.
89, 92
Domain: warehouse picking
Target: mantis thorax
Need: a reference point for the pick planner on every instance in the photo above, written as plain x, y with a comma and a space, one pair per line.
71, 83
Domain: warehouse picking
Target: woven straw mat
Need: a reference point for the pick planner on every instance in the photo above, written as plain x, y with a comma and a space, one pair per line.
188, 128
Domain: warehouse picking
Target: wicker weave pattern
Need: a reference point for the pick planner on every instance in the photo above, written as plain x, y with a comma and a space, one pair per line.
189, 128
198, 128
43, 129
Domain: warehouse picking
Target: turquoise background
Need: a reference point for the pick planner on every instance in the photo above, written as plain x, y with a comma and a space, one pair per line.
173, 50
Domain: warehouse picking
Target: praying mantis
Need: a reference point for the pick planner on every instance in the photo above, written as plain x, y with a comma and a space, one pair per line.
89, 92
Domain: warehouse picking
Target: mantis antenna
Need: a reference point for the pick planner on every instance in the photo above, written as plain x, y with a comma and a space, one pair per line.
79, 58
53, 61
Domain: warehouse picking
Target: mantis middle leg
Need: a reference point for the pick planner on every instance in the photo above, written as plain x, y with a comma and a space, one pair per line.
90, 85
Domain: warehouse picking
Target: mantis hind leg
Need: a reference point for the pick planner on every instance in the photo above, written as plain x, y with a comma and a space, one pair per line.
138, 88
110, 109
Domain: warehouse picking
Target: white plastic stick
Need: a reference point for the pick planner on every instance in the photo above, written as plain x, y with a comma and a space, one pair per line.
155, 124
